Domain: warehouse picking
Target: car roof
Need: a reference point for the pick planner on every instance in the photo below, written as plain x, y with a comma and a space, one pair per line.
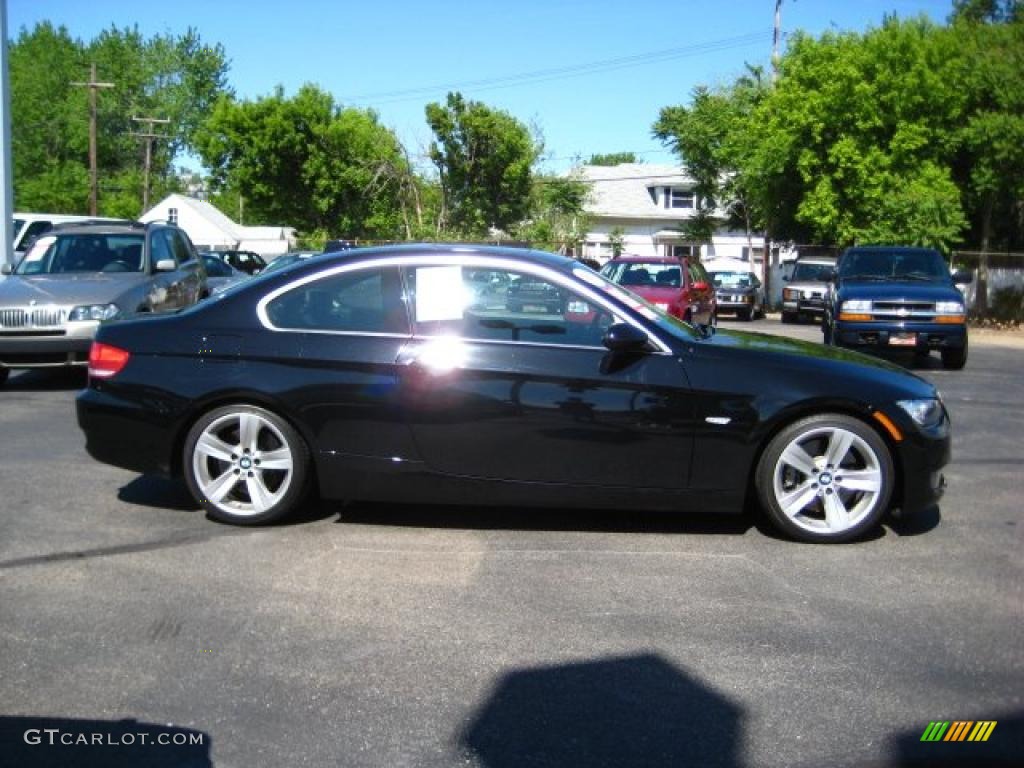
888, 249
444, 249
648, 259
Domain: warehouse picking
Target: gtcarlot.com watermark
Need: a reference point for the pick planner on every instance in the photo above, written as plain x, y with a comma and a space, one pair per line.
56, 736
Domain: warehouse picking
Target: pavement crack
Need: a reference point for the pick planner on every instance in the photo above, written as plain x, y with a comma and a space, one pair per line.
169, 542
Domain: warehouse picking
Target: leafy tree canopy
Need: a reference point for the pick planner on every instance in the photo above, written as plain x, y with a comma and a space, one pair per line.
165, 76
613, 158
484, 158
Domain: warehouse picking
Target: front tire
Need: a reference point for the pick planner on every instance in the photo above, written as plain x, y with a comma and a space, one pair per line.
825, 479
245, 465
954, 359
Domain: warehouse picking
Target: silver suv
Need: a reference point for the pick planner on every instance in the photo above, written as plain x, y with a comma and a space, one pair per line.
76, 276
808, 286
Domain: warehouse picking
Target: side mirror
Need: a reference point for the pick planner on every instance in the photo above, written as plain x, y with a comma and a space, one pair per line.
165, 265
831, 276
785, 278
623, 337
962, 277
7, 269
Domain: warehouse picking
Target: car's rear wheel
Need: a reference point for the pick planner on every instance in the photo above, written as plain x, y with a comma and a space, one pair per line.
954, 359
826, 478
245, 465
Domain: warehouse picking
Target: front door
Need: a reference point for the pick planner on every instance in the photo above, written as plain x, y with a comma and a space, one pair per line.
506, 378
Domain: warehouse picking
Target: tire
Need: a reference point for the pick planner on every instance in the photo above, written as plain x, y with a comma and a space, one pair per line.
225, 465
826, 333
832, 446
790, 317
4, 373
954, 359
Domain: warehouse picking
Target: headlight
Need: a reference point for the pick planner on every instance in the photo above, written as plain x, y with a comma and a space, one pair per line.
790, 293
94, 312
949, 308
856, 305
927, 413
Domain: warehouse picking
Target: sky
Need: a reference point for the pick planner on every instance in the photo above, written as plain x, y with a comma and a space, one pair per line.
591, 75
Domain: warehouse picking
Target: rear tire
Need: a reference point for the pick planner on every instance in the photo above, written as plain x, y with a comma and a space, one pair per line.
825, 479
954, 359
245, 465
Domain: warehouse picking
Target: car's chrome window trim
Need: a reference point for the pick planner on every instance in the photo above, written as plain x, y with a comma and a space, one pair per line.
461, 259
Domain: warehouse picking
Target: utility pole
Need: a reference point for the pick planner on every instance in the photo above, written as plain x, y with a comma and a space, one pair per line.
6, 180
93, 86
149, 136
776, 34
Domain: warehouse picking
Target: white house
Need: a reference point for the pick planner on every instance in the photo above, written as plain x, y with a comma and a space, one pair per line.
209, 229
650, 203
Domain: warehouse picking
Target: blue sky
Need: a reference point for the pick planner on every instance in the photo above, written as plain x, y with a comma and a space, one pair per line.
591, 74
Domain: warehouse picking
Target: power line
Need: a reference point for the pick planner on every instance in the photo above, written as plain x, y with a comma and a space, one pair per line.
557, 73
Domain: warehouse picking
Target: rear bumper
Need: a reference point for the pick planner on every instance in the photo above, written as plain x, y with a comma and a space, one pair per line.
124, 433
918, 336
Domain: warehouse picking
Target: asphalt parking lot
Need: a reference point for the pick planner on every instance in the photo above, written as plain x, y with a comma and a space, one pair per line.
372, 635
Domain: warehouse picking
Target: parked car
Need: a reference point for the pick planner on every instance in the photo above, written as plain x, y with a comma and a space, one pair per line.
889, 297
287, 259
249, 262
808, 284
77, 276
379, 375
220, 274
679, 287
739, 292
29, 226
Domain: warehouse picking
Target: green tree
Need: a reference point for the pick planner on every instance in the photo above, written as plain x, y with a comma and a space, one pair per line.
613, 158
162, 76
484, 158
306, 162
558, 219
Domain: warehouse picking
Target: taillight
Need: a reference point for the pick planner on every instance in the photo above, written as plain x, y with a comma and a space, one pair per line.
106, 360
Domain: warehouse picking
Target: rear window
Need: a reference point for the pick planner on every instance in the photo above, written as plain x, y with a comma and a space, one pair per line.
653, 273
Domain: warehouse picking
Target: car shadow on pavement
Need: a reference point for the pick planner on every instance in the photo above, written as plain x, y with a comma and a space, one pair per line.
914, 525
540, 519
48, 380
619, 711
42, 742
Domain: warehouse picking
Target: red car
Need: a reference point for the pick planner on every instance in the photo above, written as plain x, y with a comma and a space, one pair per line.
679, 287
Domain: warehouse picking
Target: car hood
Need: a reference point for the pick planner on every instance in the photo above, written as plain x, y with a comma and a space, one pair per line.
70, 289
899, 289
806, 285
813, 358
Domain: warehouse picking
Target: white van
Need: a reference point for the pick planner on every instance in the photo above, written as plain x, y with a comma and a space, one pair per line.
28, 226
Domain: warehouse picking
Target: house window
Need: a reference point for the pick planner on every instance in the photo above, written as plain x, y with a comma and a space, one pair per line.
679, 198
682, 251
752, 255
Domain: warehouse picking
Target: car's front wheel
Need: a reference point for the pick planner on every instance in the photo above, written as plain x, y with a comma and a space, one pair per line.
245, 465
826, 478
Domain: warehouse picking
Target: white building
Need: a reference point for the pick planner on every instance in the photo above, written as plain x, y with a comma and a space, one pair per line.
650, 203
209, 229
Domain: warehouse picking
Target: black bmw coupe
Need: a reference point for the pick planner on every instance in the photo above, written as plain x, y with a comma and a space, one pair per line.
391, 374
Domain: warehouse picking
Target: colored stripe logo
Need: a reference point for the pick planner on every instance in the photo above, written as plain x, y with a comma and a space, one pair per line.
958, 730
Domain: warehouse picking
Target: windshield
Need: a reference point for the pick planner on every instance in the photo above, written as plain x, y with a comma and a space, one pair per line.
732, 279
894, 265
663, 320
812, 273
644, 273
54, 255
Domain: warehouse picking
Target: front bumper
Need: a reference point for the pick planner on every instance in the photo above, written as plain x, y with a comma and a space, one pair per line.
804, 306
922, 457
901, 335
48, 349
